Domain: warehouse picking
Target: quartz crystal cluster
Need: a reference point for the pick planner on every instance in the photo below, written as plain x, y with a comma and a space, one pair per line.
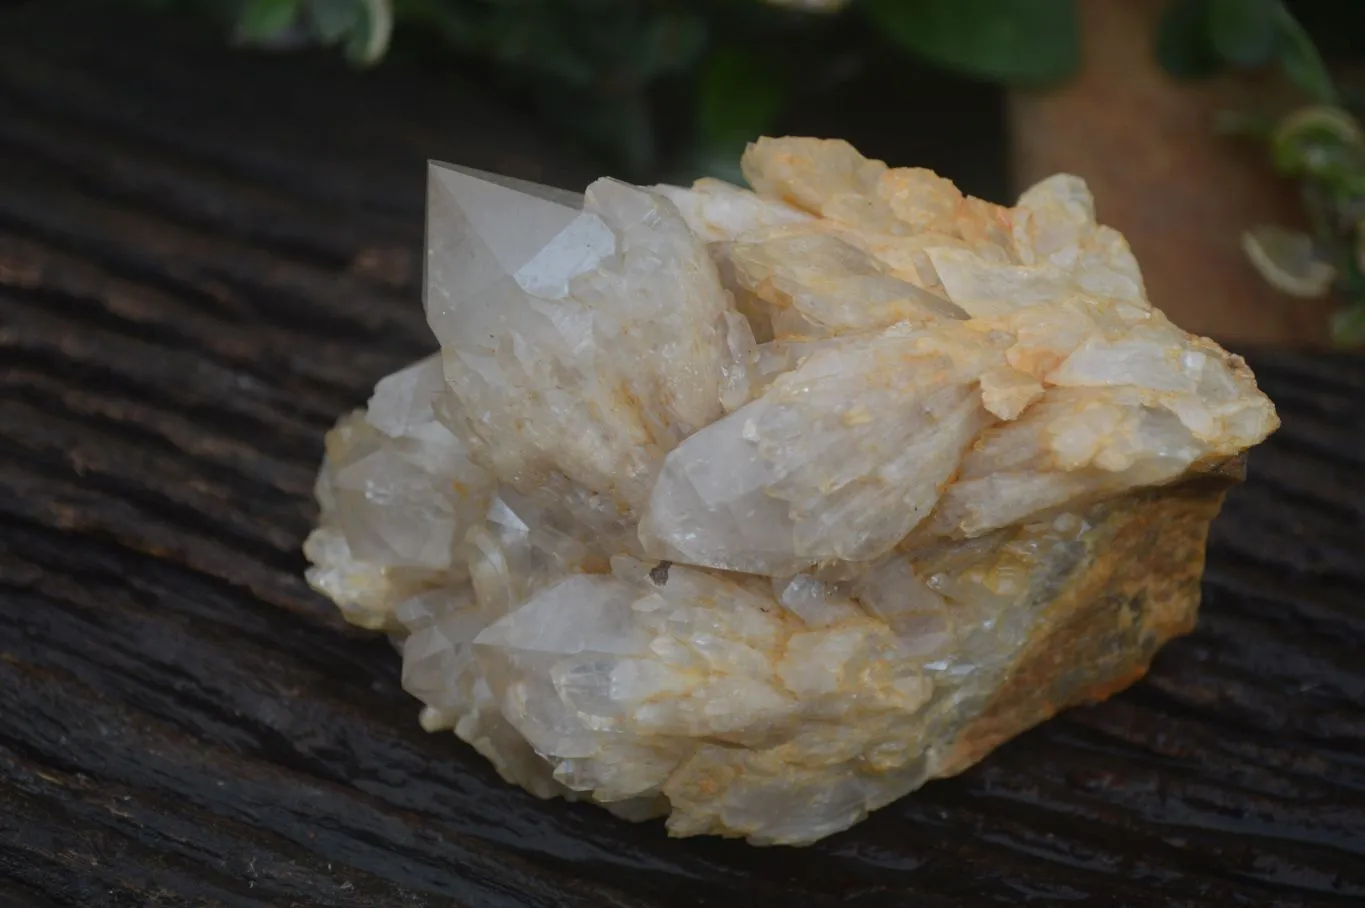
757, 509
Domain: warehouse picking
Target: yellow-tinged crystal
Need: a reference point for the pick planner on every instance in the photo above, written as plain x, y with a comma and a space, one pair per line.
759, 509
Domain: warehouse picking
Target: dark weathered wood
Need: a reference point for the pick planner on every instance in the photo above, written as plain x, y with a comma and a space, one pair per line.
195, 282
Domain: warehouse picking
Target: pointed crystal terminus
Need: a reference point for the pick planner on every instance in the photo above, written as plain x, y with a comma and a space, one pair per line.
758, 509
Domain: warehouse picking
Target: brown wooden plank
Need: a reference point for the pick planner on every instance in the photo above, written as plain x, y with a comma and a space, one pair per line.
204, 258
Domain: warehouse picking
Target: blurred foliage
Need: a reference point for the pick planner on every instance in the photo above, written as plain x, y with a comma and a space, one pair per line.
1021, 42
616, 74
629, 77
1320, 144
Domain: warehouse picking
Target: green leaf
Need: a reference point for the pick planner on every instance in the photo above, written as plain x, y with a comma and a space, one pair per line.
1183, 44
1244, 32
739, 98
1325, 143
334, 19
1021, 42
369, 38
1301, 59
1348, 325
262, 20
1289, 261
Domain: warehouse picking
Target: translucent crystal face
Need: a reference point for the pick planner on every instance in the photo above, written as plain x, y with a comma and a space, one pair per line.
751, 508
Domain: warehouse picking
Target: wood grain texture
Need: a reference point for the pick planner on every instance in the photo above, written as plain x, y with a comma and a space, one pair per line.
204, 259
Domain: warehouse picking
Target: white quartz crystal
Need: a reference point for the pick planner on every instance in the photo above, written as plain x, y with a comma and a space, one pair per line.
740, 507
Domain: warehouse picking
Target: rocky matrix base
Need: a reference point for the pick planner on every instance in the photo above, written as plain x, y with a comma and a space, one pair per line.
759, 509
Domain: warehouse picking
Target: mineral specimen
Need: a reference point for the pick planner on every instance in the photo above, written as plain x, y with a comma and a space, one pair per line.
760, 509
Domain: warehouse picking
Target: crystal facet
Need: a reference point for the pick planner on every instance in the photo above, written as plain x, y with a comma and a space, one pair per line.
759, 509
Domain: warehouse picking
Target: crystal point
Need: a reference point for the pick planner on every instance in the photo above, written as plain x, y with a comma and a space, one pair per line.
759, 509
